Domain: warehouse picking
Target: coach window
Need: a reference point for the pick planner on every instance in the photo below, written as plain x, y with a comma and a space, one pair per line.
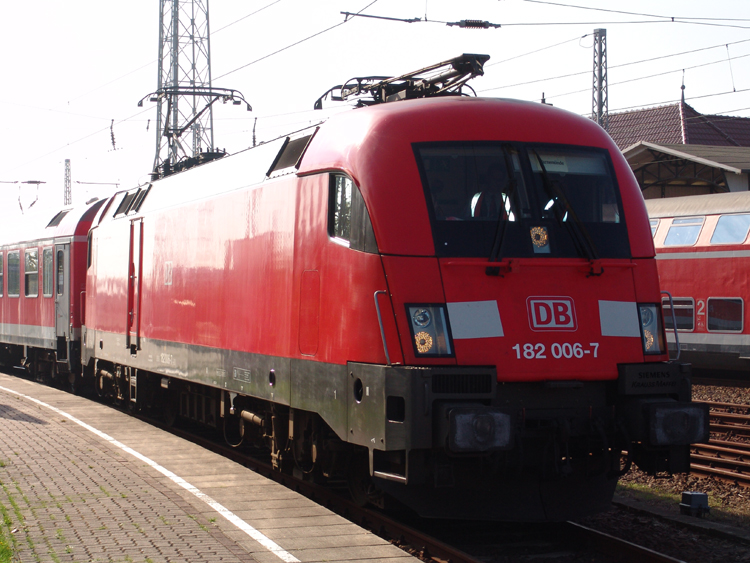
31, 273
731, 229
684, 231
654, 223
48, 273
14, 273
60, 272
725, 314
684, 312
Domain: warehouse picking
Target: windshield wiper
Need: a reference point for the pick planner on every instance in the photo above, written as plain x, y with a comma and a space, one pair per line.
502, 224
578, 232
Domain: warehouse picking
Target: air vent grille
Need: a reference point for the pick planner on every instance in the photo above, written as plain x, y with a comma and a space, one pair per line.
462, 383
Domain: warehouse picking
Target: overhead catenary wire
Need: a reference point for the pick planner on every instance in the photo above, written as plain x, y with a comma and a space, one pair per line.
661, 57
715, 118
222, 28
661, 19
213, 32
687, 98
539, 50
98, 131
657, 75
628, 13
339, 24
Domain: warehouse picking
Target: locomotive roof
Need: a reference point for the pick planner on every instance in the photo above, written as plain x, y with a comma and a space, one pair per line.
710, 204
375, 146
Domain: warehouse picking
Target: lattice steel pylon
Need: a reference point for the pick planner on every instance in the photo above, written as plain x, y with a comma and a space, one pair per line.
67, 194
600, 102
184, 94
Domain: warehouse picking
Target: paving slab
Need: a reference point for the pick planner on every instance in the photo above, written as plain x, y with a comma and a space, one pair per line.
80, 482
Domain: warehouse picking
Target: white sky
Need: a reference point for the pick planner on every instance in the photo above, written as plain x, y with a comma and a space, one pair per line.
70, 68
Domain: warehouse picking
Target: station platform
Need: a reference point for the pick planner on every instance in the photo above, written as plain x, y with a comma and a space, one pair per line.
80, 481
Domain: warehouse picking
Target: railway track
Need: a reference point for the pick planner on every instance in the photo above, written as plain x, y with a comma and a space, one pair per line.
722, 458
549, 542
727, 381
574, 537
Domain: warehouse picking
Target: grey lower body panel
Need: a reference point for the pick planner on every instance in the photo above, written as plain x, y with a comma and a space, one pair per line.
713, 351
28, 335
301, 384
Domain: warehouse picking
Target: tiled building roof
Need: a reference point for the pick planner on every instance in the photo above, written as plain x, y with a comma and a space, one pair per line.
678, 124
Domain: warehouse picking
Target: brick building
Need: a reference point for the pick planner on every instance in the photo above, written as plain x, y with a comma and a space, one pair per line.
674, 150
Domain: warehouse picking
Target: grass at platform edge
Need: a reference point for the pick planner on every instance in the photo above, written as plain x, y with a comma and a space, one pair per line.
6, 550
7, 541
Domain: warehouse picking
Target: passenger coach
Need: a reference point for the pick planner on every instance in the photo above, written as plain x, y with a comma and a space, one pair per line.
42, 281
703, 254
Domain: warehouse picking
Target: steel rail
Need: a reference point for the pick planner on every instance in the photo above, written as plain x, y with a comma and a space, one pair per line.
419, 544
728, 406
409, 539
619, 548
722, 459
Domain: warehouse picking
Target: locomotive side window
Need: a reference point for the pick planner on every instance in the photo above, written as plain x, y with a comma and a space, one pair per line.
725, 314
14, 273
89, 250
341, 208
348, 220
491, 199
731, 229
125, 202
48, 272
57, 219
684, 312
60, 272
684, 231
31, 273
654, 223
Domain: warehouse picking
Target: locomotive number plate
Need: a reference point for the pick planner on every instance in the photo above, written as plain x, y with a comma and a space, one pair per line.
564, 350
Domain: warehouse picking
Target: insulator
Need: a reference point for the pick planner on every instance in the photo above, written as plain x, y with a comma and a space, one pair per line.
474, 24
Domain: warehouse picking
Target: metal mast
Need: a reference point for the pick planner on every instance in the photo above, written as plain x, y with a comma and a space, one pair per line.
600, 103
67, 195
184, 95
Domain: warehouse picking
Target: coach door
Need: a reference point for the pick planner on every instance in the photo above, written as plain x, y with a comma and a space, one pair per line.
62, 299
135, 269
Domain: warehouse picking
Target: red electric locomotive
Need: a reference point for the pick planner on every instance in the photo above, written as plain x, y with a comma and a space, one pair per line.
450, 300
42, 279
703, 257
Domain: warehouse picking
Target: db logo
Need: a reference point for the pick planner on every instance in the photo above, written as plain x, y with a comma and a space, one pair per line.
551, 313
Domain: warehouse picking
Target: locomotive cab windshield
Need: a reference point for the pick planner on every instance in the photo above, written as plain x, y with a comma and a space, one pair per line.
517, 200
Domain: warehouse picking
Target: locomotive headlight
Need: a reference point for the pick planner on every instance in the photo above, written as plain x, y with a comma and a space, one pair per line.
478, 429
430, 332
678, 424
651, 333
422, 318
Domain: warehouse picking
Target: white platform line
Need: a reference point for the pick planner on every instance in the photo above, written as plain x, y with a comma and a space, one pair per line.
266, 542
